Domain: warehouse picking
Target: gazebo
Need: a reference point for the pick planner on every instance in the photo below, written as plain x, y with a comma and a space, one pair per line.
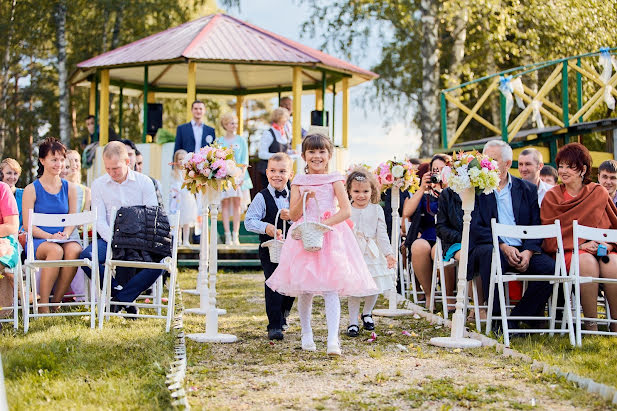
216, 55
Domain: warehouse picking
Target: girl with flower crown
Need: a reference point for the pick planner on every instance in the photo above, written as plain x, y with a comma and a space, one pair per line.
182, 200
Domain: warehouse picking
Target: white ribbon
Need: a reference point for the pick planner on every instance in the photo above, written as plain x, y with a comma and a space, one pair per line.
536, 116
367, 243
607, 62
505, 86
517, 85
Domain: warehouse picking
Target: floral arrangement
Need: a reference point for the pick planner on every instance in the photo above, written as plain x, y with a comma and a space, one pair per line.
212, 166
472, 169
401, 174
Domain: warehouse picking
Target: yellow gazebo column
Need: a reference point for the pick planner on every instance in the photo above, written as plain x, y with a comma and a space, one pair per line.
345, 113
240, 114
296, 89
104, 107
92, 103
191, 89
318, 100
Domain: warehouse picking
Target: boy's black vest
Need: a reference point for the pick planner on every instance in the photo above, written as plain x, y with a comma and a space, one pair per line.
271, 210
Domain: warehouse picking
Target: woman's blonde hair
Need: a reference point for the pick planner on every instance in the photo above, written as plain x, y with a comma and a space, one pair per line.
230, 115
278, 113
362, 175
11, 162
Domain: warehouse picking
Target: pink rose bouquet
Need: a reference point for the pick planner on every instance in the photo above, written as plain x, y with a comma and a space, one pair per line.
400, 174
211, 166
472, 169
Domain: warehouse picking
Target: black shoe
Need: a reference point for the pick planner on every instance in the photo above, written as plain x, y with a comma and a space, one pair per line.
353, 331
115, 308
275, 334
367, 322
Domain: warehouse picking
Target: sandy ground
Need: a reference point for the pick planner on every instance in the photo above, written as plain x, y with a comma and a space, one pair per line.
395, 371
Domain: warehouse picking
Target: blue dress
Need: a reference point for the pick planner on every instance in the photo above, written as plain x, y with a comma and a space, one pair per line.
46, 203
19, 194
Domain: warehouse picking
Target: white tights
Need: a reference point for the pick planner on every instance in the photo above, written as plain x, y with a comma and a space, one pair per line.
186, 230
333, 315
354, 307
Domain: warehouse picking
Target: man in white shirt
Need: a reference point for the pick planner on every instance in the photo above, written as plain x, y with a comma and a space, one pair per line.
120, 187
530, 162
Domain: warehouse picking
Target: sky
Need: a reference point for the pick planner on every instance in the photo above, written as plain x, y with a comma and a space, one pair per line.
370, 141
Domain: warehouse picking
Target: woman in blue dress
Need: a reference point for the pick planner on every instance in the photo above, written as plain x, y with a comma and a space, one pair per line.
50, 194
232, 199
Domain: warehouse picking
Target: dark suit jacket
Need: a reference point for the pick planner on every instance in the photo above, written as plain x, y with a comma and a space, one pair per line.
185, 139
526, 212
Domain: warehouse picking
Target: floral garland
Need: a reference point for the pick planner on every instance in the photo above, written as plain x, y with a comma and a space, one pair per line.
472, 169
212, 166
400, 174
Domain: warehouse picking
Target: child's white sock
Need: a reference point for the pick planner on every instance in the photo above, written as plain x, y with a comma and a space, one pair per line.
305, 307
185, 233
333, 316
369, 304
354, 309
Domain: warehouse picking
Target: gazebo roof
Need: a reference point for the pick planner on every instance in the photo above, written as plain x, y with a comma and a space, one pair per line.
233, 57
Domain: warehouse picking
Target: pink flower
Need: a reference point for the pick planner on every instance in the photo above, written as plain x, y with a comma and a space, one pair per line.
192, 174
218, 164
221, 154
197, 158
387, 179
486, 163
206, 172
221, 173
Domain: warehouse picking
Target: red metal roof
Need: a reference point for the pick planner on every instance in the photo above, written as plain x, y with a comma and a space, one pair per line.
219, 37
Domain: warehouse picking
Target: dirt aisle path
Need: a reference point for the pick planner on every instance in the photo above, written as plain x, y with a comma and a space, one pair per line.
395, 371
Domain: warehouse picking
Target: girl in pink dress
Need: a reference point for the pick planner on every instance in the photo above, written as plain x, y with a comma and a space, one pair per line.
339, 267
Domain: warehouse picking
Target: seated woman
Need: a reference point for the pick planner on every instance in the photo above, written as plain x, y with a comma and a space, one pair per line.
72, 174
423, 207
577, 198
11, 170
50, 194
9, 225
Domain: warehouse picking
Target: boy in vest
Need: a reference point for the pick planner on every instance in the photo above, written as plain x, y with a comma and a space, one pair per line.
259, 219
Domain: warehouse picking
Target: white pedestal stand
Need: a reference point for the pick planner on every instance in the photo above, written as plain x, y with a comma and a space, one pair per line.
392, 310
212, 317
456, 339
202, 275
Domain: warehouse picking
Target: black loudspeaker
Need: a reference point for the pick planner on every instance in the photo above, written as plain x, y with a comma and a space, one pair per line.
317, 116
155, 117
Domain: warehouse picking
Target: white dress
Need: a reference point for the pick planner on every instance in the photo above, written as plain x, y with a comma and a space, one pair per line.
181, 199
369, 227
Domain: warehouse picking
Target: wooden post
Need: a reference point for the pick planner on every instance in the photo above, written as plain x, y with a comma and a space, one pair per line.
240, 114
323, 96
297, 106
92, 104
145, 106
191, 89
318, 99
345, 120
120, 103
104, 107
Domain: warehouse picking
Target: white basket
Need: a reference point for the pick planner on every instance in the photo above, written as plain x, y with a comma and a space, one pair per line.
275, 245
311, 232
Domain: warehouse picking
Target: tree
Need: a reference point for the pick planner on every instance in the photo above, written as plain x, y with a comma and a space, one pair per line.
60, 20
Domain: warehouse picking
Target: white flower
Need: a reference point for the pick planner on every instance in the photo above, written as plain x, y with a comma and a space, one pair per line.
398, 171
187, 158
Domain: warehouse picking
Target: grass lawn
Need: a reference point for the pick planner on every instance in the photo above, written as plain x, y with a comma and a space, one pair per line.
396, 371
63, 364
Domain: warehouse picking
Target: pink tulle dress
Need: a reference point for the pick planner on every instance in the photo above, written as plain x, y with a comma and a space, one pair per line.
339, 266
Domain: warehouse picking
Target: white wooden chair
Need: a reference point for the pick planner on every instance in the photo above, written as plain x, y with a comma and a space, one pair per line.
439, 265
581, 232
168, 264
560, 277
87, 220
19, 295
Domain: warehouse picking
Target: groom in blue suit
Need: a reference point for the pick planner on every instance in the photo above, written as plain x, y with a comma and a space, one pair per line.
195, 134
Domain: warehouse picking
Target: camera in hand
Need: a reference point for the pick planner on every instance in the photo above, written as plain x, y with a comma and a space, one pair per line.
435, 178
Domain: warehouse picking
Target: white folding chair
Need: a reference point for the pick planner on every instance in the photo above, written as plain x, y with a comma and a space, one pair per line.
581, 232
560, 276
168, 264
87, 220
18, 292
440, 265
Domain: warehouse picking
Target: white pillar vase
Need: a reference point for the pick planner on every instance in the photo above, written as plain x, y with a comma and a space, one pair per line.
456, 339
212, 316
393, 310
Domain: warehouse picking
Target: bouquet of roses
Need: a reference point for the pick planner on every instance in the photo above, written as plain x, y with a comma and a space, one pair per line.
212, 166
399, 174
472, 169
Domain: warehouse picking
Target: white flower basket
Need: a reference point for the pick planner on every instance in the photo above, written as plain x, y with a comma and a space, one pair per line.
310, 232
275, 245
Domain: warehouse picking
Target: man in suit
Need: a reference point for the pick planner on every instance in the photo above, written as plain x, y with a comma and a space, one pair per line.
515, 202
195, 134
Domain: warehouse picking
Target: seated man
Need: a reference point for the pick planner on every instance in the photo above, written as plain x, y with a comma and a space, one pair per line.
120, 187
530, 163
607, 177
515, 202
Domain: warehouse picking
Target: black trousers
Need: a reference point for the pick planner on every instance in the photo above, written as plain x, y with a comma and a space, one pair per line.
538, 292
276, 304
